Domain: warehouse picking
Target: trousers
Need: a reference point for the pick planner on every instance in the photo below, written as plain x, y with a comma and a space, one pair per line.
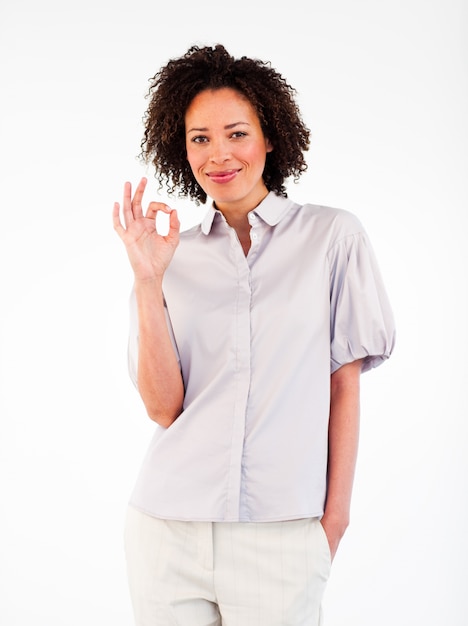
184, 573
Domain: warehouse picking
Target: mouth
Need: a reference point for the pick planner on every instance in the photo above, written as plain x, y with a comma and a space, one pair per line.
222, 177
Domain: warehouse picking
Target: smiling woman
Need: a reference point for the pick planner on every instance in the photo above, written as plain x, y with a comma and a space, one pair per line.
249, 334
227, 157
173, 90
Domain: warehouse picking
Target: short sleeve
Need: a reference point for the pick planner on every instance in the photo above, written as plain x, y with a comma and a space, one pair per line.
133, 339
132, 348
361, 318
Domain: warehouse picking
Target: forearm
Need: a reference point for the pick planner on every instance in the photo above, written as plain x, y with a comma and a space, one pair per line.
159, 378
343, 438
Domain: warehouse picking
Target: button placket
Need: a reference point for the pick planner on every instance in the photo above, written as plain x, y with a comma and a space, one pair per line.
241, 375
253, 230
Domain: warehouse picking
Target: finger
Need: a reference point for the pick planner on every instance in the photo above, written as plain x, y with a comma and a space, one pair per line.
116, 219
127, 204
154, 207
138, 197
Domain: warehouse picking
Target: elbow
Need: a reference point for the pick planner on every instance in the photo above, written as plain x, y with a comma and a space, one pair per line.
162, 420
162, 407
163, 417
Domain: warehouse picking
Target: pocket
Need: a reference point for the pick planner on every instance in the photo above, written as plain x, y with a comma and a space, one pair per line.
325, 544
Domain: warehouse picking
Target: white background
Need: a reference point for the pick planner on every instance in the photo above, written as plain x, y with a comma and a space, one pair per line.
383, 87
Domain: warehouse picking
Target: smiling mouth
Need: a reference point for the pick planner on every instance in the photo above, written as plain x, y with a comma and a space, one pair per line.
223, 177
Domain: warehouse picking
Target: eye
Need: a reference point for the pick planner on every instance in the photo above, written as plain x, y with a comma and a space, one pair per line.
199, 139
238, 134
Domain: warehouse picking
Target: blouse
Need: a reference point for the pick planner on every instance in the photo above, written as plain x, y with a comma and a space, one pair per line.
257, 338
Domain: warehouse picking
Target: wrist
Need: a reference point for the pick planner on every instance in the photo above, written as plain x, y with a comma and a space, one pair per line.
149, 283
148, 293
337, 520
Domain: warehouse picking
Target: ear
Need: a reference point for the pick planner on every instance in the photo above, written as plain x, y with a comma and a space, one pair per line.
268, 145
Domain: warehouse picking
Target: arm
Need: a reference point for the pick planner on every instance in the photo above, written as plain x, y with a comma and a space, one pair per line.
159, 378
343, 436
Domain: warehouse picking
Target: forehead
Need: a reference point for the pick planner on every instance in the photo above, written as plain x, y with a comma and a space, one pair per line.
217, 103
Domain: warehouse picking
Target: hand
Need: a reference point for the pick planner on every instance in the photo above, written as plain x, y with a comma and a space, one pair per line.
334, 531
149, 252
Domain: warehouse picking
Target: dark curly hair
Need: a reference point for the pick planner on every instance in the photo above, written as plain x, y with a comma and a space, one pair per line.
172, 90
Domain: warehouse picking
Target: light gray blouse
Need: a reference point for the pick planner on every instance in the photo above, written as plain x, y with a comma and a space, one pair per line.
257, 338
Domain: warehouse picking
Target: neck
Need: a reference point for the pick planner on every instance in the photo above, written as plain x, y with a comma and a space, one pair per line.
236, 212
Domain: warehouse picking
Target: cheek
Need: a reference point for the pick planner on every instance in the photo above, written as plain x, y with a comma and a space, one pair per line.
192, 160
257, 156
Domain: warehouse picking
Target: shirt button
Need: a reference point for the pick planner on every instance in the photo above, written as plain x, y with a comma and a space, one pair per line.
254, 236
252, 217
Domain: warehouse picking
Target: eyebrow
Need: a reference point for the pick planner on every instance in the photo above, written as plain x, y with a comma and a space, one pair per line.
227, 127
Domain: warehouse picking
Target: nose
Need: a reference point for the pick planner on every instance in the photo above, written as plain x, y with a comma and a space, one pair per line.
220, 151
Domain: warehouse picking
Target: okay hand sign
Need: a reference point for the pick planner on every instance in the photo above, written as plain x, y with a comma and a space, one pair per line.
149, 252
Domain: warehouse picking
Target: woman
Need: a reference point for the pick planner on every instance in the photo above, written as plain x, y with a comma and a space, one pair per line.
248, 337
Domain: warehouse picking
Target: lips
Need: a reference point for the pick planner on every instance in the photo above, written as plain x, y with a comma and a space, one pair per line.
222, 177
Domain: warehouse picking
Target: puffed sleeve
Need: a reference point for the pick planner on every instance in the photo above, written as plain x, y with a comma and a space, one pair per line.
132, 348
362, 324
133, 338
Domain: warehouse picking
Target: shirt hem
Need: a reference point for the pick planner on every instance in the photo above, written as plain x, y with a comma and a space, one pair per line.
214, 518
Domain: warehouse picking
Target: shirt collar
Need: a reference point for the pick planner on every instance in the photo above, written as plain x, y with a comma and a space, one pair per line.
271, 210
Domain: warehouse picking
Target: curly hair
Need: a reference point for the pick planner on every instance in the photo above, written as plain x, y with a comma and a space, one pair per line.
174, 87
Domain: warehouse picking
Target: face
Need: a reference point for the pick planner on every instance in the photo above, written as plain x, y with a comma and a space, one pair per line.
226, 149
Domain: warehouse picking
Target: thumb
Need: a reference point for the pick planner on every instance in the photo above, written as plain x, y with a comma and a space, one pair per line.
174, 227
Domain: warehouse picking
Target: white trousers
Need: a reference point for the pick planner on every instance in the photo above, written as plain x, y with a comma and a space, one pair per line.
229, 574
